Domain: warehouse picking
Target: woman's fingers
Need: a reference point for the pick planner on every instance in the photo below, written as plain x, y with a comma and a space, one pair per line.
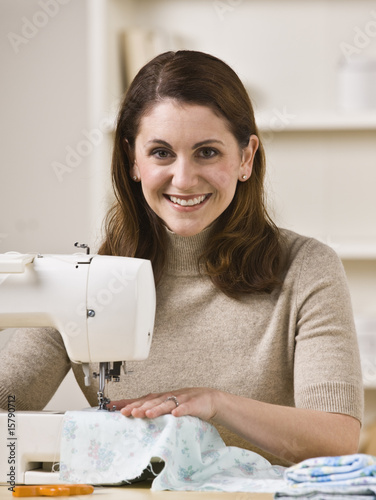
150, 406
198, 402
128, 404
154, 408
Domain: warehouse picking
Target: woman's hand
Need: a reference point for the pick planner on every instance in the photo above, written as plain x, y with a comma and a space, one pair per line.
197, 402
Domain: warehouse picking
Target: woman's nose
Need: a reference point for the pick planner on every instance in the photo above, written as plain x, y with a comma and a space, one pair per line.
185, 175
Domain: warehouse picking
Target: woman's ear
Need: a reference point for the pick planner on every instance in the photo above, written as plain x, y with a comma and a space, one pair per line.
133, 169
248, 156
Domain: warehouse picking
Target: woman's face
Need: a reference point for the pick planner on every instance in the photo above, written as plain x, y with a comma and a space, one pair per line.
189, 164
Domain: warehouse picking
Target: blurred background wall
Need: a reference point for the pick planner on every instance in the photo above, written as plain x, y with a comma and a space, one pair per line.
309, 66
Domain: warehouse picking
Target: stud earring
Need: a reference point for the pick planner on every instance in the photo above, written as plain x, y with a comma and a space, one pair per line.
135, 178
244, 177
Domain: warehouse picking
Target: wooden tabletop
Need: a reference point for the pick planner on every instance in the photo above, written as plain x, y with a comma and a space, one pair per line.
141, 491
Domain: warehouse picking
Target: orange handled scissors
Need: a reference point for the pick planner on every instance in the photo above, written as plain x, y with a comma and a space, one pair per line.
52, 490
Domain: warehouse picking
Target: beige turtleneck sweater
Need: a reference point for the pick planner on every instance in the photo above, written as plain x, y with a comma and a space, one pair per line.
294, 347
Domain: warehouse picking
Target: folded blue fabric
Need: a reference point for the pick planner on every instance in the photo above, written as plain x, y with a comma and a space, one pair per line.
334, 469
352, 476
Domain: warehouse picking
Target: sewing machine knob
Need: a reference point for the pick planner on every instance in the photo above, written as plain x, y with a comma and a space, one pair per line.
90, 313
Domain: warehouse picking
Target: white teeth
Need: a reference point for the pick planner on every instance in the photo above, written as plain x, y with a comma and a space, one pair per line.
188, 203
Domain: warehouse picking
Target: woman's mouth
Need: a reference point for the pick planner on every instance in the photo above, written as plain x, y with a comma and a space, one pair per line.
188, 201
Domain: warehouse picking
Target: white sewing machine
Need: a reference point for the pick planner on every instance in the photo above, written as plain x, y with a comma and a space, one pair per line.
104, 308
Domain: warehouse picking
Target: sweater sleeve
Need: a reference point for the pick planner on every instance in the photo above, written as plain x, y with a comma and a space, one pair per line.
327, 362
33, 364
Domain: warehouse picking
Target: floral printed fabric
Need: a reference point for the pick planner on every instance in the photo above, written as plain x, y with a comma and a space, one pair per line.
99, 447
348, 476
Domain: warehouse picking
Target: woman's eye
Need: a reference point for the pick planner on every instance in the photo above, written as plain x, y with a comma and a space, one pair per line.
160, 153
208, 152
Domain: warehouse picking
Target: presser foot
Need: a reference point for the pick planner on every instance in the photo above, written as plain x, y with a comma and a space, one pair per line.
107, 372
103, 402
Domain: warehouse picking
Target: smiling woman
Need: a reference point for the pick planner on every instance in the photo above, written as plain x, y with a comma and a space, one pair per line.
254, 329
186, 129
188, 171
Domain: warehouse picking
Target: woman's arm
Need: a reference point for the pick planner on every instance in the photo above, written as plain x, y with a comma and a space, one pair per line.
293, 434
32, 365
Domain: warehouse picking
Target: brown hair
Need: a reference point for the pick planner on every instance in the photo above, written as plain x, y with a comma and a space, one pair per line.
244, 254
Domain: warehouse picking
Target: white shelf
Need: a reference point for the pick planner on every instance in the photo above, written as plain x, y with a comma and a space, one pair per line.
285, 120
355, 251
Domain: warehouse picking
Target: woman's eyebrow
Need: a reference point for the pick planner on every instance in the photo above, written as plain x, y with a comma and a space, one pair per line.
158, 141
197, 145
207, 141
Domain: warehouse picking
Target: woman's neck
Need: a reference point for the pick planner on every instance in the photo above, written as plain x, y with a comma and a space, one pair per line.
183, 252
